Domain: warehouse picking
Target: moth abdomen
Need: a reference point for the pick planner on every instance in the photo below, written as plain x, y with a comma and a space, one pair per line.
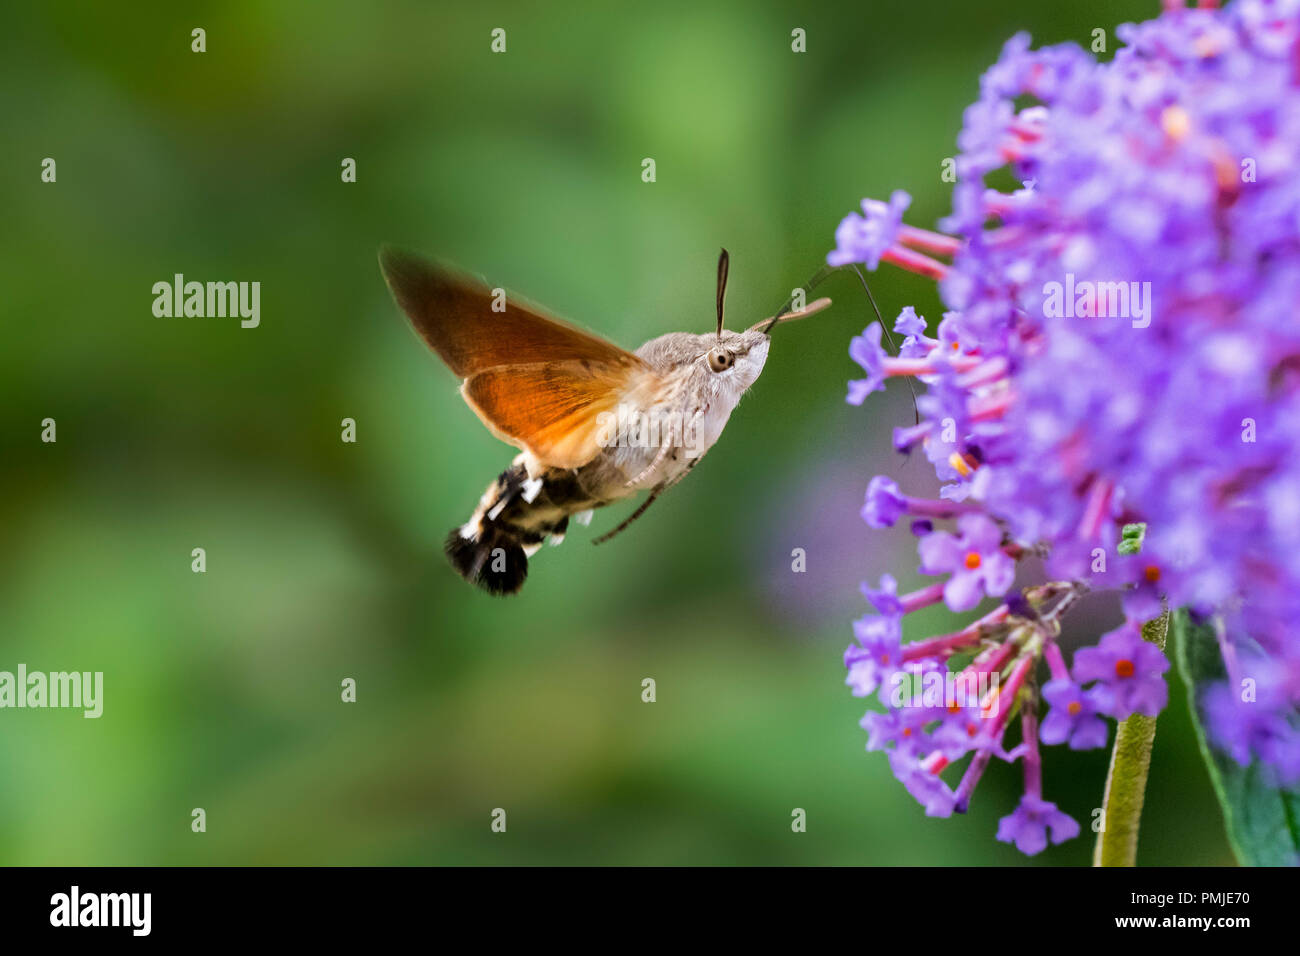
514, 517
492, 558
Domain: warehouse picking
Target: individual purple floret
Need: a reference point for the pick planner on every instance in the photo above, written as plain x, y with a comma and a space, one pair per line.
1129, 673
1073, 718
876, 654
973, 560
867, 237
1028, 826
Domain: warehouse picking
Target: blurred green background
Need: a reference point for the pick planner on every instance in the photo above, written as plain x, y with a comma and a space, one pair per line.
324, 558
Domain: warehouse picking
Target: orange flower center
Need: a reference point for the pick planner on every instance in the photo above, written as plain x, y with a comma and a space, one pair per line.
960, 464
1124, 668
1151, 573
1175, 122
1073, 707
972, 559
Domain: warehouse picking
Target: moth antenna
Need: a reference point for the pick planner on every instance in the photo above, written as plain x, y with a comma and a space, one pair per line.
724, 266
916, 411
817, 280
808, 286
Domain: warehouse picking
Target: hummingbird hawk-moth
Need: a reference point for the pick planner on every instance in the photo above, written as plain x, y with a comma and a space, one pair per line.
594, 423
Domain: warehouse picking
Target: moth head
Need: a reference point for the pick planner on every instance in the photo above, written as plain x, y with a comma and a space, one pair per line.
736, 358
720, 363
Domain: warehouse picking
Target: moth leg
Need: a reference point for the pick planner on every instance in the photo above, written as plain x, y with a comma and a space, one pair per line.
654, 493
632, 517
680, 475
663, 453
649, 469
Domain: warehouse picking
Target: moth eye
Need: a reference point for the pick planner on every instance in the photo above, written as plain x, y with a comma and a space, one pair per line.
719, 359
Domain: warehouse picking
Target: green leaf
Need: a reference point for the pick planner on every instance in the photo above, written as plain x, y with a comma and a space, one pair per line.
1262, 820
1131, 538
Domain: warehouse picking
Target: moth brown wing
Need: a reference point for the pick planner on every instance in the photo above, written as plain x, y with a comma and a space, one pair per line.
453, 313
553, 410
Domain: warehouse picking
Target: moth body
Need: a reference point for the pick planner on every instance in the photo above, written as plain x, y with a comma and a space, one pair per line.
656, 445
594, 424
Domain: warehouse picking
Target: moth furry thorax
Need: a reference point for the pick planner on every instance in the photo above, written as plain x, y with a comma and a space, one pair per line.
698, 392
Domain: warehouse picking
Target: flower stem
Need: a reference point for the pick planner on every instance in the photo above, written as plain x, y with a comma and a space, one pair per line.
1126, 782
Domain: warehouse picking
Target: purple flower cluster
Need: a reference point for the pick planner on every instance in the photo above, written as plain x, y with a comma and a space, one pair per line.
1122, 348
